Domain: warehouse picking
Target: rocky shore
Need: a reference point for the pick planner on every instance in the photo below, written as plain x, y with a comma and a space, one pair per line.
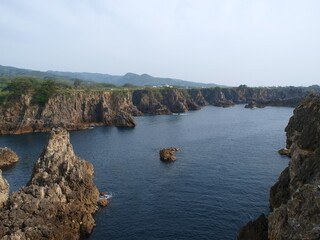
80, 110
295, 198
58, 202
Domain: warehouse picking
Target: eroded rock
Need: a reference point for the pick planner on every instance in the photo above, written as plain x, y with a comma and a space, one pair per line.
295, 198
255, 230
167, 154
7, 157
60, 199
4, 190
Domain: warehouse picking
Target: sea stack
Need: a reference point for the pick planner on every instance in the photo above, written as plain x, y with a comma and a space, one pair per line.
167, 154
60, 199
7, 157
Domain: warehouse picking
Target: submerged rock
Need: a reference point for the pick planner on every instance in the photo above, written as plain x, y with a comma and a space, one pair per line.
7, 157
60, 199
167, 154
4, 190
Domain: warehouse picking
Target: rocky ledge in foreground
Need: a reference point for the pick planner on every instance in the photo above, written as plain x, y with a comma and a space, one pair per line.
60, 199
4, 190
7, 157
295, 198
167, 154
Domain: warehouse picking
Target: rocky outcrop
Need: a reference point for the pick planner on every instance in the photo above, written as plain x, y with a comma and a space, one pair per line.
75, 110
253, 104
167, 154
295, 198
255, 230
7, 157
167, 101
80, 109
60, 199
4, 190
284, 151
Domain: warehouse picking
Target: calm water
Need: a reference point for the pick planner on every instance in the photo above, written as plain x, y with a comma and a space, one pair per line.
220, 181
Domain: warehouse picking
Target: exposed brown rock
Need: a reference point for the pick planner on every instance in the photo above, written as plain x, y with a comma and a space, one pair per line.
4, 190
104, 202
73, 111
284, 151
253, 104
295, 198
167, 154
7, 157
298, 216
60, 199
255, 230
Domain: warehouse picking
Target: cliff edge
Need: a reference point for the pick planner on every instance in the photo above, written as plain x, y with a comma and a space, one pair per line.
60, 199
295, 198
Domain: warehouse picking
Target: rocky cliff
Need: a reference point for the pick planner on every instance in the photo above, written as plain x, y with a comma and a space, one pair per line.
58, 202
295, 198
79, 110
75, 110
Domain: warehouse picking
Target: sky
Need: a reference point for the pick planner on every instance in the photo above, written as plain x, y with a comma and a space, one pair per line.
228, 42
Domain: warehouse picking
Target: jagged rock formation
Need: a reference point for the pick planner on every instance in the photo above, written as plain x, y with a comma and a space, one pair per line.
59, 200
167, 154
7, 157
284, 151
295, 198
166, 101
4, 190
77, 110
253, 104
255, 230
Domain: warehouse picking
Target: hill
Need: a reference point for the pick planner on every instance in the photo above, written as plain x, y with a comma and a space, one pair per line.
132, 78
86, 77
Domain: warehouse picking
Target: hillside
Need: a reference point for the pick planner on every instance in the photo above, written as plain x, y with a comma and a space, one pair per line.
132, 78
88, 78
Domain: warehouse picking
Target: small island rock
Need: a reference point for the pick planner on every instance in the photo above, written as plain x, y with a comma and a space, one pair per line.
7, 157
167, 154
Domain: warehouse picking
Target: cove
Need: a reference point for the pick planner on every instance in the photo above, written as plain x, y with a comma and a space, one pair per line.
221, 179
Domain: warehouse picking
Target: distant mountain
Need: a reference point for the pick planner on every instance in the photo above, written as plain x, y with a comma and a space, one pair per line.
12, 72
132, 78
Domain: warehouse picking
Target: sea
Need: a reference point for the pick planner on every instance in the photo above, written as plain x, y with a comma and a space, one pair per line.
227, 162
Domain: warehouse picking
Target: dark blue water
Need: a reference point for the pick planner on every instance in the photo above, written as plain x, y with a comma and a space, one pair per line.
220, 181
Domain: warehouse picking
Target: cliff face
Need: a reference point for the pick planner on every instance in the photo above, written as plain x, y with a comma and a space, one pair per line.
295, 198
77, 110
167, 101
59, 200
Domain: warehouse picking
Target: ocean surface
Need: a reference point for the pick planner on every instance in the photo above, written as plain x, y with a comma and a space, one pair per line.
220, 180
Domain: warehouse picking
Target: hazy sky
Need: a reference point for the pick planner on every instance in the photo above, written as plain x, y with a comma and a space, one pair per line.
230, 42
